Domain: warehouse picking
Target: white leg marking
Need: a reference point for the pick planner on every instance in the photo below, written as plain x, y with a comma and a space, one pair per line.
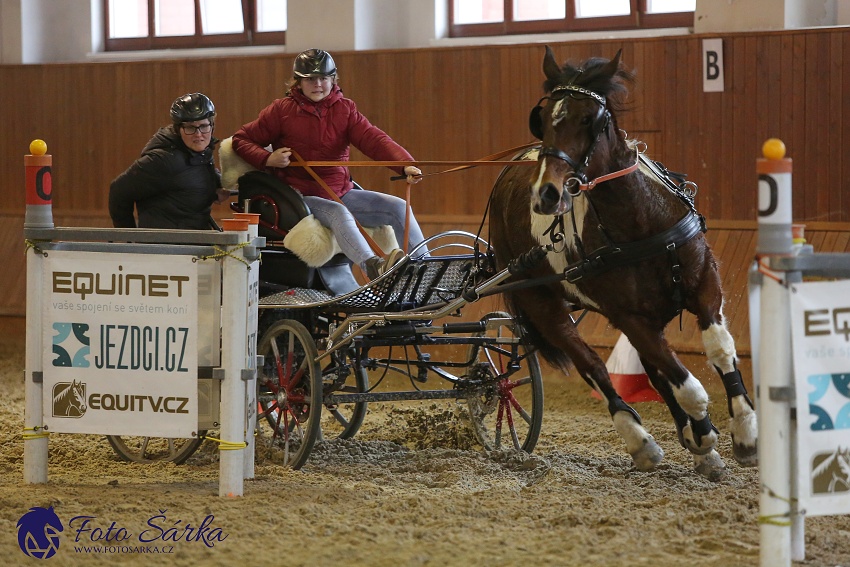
694, 400
692, 397
641, 445
720, 347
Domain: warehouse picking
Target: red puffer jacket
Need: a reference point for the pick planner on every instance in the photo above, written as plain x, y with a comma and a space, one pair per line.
319, 131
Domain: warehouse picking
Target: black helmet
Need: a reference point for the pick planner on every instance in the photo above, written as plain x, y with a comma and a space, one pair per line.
191, 108
313, 62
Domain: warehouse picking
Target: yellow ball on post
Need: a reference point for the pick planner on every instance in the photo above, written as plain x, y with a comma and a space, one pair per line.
38, 147
773, 148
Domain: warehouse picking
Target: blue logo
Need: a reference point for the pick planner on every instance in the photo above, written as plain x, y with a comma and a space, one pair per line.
38, 533
76, 350
829, 401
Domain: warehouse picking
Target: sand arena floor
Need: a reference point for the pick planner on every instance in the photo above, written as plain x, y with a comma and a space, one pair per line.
411, 489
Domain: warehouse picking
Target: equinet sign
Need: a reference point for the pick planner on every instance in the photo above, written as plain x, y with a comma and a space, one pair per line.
118, 283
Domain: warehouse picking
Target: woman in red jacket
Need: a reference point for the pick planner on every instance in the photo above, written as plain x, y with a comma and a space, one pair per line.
320, 124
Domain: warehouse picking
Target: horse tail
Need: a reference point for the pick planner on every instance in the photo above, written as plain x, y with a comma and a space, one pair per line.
553, 355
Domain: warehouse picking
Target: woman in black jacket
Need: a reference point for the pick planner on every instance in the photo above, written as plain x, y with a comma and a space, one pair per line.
174, 183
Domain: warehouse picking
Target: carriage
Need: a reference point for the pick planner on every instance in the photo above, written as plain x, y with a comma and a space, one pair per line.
319, 349
597, 225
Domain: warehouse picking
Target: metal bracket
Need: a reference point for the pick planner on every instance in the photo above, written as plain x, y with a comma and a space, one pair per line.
218, 373
252, 251
38, 377
260, 360
781, 394
248, 374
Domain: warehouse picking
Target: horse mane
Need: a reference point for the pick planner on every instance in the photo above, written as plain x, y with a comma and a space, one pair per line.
593, 75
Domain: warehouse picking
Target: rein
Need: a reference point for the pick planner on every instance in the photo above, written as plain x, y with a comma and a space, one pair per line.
609, 176
492, 159
334, 197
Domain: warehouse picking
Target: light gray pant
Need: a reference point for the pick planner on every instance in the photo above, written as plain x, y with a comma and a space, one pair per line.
370, 208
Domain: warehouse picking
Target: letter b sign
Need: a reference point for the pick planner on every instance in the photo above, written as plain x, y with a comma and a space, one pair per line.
712, 65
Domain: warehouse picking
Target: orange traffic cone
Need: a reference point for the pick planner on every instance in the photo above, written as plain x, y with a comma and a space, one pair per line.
627, 374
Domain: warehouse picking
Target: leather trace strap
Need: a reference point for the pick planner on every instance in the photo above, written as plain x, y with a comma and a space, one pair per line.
300, 162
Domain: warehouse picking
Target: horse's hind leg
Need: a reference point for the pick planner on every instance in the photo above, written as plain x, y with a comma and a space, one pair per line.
743, 424
720, 350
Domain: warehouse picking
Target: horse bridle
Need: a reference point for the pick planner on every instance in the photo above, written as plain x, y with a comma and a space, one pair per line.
572, 185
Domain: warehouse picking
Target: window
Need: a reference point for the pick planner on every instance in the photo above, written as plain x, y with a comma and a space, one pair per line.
162, 24
504, 17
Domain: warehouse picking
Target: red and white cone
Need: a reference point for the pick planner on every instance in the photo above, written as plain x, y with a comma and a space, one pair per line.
627, 374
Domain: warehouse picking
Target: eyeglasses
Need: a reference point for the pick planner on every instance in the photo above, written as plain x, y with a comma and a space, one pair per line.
189, 129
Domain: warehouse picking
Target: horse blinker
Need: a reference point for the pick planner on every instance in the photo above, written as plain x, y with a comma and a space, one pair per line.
535, 122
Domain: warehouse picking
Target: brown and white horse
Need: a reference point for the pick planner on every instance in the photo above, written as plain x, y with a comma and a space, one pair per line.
628, 243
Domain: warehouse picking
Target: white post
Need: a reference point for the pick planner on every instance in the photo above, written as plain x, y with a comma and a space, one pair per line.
775, 364
35, 440
775, 426
233, 394
39, 214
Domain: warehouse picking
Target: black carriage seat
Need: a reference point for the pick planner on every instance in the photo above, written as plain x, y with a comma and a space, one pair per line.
418, 282
280, 208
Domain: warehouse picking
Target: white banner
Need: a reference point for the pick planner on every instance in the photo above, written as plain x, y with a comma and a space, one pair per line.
121, 344
820, 321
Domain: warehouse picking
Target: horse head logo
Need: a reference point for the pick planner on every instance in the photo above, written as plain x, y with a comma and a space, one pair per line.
38, 532
69, 399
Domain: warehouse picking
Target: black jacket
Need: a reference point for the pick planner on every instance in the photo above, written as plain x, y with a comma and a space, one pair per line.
170, 185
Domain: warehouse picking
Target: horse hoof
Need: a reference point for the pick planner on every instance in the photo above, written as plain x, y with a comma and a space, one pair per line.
710, 465
745, 455
706, 443
744, 431
647, 457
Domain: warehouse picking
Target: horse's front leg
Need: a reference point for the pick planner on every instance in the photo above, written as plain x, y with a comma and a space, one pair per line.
562, 335
743, 424
685, 397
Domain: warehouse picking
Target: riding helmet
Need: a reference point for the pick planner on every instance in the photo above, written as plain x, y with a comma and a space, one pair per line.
313, 62
191, 108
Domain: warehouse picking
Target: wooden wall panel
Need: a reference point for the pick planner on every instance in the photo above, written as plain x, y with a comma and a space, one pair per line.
463, 103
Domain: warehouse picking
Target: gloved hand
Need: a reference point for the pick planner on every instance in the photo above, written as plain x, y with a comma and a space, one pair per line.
414, 174
279, 158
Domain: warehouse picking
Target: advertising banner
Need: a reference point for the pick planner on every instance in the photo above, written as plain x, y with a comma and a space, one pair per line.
120, 344
820, 321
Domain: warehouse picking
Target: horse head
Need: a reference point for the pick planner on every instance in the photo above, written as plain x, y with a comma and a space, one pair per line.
577, 126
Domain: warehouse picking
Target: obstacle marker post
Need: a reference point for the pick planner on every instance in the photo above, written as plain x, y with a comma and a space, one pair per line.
776, 386
39, 183
39, 214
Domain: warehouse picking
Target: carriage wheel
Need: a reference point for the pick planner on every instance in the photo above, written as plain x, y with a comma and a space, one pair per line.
343, 421
289, 389
507, 412
137, 449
